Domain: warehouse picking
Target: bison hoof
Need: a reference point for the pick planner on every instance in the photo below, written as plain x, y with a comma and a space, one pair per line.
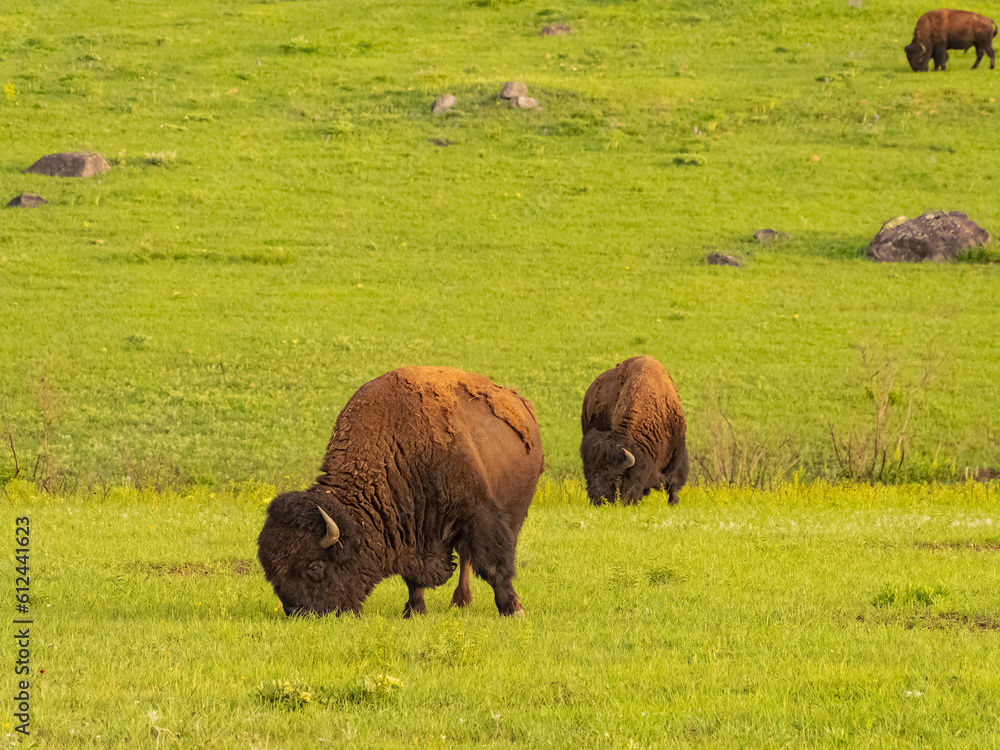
409, 611
461, 599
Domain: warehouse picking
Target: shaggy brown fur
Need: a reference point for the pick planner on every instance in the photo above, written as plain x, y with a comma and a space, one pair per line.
633, 408
938, 31
423, 461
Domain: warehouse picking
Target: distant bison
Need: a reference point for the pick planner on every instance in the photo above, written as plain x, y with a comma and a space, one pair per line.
423, 461
938, 31
633, 434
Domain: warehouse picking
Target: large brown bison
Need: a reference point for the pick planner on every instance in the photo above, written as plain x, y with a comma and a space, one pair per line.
938, 31
633, 434
423, 461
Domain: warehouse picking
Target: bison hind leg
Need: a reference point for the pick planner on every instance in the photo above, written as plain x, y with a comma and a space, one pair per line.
491, 547
979, 56
986, 49
463, 592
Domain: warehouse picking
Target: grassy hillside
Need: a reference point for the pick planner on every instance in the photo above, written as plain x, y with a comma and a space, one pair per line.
279, 227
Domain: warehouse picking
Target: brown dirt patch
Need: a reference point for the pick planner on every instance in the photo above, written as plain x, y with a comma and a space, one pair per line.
199, 569
973, 545
935, 620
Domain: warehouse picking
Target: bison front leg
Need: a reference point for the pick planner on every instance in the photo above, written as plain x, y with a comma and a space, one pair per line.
415, 603
940, 57
463, 592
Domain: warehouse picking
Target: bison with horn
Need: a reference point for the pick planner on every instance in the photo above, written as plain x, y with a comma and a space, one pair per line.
938, 31
423, 462
633, 434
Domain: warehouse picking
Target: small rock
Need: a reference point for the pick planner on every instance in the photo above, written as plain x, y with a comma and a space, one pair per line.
26, 200
75, 164
718, 259
513, 89
556, 29
689, 160
443, 142
936, 235
443, 103
767, 236
524, 102
987, 474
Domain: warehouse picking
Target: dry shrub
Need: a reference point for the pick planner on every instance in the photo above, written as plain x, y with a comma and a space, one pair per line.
877, 452
736, 455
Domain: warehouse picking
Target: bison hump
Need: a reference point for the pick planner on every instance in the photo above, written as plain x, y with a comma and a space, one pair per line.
442, 390
413, 408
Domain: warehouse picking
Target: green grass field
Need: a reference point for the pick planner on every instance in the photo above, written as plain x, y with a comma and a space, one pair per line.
280, 225
821, 616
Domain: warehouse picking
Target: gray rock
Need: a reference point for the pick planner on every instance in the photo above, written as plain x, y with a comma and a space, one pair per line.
524, 102
767, 236
718, 259
26, 200
937, 236
556, 29
513, 89
987, 474
443, 103
75, 164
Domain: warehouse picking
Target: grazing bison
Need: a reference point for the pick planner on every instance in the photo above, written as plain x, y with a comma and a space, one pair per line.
423, 461
938, 31
633, 434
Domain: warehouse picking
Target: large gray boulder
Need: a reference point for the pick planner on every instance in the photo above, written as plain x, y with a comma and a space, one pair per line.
937, 235
75, 164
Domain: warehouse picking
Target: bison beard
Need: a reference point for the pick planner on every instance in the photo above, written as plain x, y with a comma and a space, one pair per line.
938, 31
423, 462
633, 434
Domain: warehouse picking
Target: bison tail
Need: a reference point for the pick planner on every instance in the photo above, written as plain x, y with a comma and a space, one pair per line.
994, 27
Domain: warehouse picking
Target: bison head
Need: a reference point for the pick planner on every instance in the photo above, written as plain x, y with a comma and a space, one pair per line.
607, 465
311, 564
918, 56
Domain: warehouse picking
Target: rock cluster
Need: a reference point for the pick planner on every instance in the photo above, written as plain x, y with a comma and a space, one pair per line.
516, 92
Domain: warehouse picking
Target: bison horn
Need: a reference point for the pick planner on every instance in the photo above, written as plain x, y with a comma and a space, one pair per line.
922, 47
332, 532
629, 459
